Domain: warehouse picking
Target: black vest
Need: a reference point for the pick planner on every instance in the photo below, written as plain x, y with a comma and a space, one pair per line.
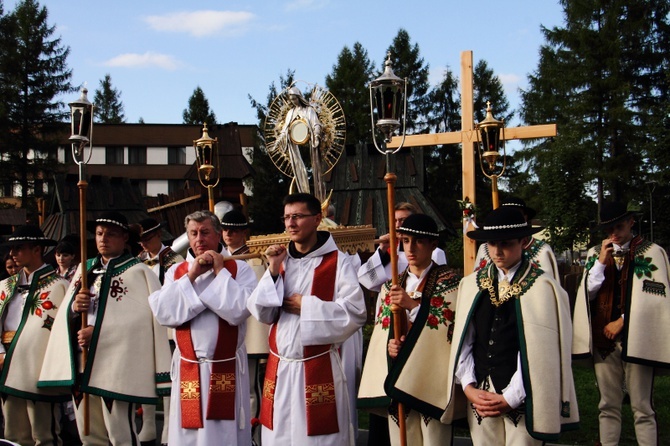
496, 343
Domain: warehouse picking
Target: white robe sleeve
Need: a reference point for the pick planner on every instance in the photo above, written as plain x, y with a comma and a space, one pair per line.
266, 300
176, 302
227, 297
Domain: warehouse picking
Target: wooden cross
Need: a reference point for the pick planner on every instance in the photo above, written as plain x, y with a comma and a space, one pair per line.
468, 139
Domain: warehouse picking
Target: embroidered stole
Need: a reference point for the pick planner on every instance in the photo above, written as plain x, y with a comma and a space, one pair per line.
321, 409
221, 403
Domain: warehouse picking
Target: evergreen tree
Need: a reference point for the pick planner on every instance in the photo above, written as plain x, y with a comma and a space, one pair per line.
408, 63
34, 72
268, 184
349, 83
601, 79
198, 111
108, 105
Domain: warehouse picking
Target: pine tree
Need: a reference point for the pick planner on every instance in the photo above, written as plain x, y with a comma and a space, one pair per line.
108, 105
349, 83
34, 72
601, 79
268, 184
198, 111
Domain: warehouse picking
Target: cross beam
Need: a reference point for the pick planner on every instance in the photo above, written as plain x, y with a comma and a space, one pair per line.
467, 137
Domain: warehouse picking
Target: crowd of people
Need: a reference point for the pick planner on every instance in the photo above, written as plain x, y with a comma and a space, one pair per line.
242, 351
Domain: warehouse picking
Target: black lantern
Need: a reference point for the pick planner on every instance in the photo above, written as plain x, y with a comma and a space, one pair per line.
81, 119
490, 135
388, 103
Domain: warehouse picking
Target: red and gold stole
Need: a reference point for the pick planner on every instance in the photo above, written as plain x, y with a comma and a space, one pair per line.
321, 409
221, 403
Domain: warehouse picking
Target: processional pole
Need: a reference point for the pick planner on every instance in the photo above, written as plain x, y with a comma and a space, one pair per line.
490, 134
81, 119
388, 95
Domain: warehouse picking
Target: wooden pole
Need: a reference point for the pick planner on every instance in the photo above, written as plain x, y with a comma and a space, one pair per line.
83, 185
468, 147
494, 192
210, 196
396, 310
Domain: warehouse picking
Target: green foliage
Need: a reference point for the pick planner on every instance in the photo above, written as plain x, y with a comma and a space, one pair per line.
349, 84
198, 111
33, 72
268, 184
108, 105
602, 78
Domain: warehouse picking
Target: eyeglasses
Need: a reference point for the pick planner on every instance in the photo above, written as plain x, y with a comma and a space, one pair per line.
295, 217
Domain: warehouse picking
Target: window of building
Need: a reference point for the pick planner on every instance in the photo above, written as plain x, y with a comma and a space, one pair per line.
175, 185
137, 155
114, 155
176, 155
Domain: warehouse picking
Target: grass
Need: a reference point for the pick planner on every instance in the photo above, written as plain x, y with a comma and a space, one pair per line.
587, 399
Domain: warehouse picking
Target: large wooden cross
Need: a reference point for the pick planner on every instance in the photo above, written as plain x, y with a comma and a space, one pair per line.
468, 139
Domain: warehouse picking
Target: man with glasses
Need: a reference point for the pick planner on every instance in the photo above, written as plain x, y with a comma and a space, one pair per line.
311, 297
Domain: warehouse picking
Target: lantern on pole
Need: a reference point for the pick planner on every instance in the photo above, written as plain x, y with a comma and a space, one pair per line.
388, 112
81, 137
490, 134
207, 161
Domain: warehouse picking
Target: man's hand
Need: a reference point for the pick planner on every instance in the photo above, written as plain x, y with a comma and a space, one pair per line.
2, 360
613, 329
605, 251
395, 346
203, 263
82, 301
84, 336
384, 243
487, 404
293, 303
400, 297
275, 255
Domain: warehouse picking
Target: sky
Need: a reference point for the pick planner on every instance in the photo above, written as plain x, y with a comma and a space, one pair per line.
158, 51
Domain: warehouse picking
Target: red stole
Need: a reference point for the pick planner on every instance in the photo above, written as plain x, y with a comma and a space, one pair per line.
221, 403
321, 409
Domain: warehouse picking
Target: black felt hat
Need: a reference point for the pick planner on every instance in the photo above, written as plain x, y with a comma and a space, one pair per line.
504, 223
419, 225
234, 220
29, 234
516, 202
111, 218
150, 225
612, 213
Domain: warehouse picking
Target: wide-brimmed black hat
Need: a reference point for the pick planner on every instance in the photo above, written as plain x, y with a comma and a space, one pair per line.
29, 234
504, 223
234, 220
111, 218
516, 202
612, 213
150, 225
419, 225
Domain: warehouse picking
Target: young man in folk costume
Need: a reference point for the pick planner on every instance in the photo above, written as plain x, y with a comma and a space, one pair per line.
311, 297
128, 359
159, 258
513, 336
29, 302
204, 300
537, 251
377, 270
412, 371
621, 313
235, 233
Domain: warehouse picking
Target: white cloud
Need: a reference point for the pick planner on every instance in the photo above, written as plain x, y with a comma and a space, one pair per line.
201, 23
148, 59
296, 5
510, 80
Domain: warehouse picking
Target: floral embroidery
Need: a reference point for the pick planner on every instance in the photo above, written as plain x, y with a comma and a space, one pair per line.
643, 266
591, 261
40, 302
117, 290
